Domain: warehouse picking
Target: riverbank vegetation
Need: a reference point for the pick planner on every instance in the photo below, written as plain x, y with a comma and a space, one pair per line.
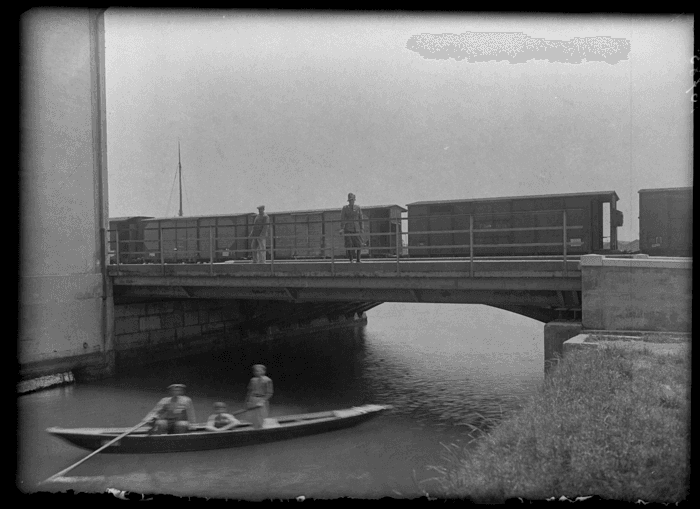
665, 338
610, 422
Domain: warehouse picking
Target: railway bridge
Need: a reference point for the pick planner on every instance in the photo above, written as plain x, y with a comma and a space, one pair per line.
622, 292
171, 309
543, 289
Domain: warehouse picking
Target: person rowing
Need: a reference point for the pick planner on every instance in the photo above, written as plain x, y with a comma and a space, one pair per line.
174, 414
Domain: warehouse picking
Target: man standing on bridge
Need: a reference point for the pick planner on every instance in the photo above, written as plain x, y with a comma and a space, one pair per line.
351, 226
259, 235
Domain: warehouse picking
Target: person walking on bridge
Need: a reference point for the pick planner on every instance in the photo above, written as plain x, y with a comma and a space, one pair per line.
352, 228
259, 232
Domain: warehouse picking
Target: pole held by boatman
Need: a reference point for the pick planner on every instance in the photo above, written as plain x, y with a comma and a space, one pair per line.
258, 397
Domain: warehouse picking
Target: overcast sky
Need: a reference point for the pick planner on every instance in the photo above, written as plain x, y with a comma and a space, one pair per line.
295, 110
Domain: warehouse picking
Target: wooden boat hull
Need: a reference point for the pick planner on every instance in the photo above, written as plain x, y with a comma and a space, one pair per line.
283, 428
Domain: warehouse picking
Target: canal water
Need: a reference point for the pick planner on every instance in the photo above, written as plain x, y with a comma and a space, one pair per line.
443, 367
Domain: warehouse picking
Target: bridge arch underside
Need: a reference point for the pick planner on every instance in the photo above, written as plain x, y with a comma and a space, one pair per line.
297, 303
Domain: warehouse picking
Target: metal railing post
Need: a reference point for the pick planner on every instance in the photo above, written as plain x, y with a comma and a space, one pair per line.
117, 250
566, 269
211, 252
160, 243
471, 245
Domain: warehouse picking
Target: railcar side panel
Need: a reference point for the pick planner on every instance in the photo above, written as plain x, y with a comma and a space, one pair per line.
316, 235
284, 235
226, 233
307, 235
510, 227
150, 235
301, 236
418, 227
597, 229
232, 236
244, 225
131, 236
665, 222
440, 220
460, 221
170, 241
334, 243
191, 239
379, 227
681, 225
206, 247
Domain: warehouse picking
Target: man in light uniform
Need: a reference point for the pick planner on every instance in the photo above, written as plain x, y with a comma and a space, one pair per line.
351, 226
259, 232
174, 414
258, 397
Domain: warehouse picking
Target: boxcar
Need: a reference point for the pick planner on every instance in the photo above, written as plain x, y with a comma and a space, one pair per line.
186, 239
666, 221
129, 230
515, 226
315, 233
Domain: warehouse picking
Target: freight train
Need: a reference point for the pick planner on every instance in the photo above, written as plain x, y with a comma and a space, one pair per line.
574, 223
301, 234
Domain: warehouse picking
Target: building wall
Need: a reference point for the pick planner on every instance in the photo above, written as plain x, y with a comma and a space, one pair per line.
64, 298
638, 294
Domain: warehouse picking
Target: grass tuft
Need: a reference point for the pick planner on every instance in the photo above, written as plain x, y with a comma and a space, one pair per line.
608, 422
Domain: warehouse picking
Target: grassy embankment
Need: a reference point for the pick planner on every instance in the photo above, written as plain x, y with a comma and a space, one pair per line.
609, 422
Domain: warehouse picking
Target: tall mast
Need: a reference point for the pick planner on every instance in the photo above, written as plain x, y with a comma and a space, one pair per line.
179, 167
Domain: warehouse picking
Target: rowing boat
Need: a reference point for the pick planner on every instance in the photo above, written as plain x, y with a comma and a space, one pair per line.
200, 439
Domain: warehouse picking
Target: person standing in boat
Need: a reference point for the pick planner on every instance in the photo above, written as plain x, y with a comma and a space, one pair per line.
352, 228
221, 420
259, 232
174, 414
258, 397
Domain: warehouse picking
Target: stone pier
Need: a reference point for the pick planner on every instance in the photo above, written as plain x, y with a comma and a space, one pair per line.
148, 332
555, 334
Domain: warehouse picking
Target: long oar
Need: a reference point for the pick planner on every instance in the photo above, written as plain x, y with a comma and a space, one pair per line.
65, 471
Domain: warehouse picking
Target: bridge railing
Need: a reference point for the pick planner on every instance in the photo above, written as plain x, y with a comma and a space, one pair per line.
393, 244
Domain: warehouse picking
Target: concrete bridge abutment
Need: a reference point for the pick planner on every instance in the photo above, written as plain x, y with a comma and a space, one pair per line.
637, 294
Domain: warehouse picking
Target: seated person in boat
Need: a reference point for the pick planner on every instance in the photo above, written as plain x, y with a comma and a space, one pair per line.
258, 397
174, 414
221, 420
